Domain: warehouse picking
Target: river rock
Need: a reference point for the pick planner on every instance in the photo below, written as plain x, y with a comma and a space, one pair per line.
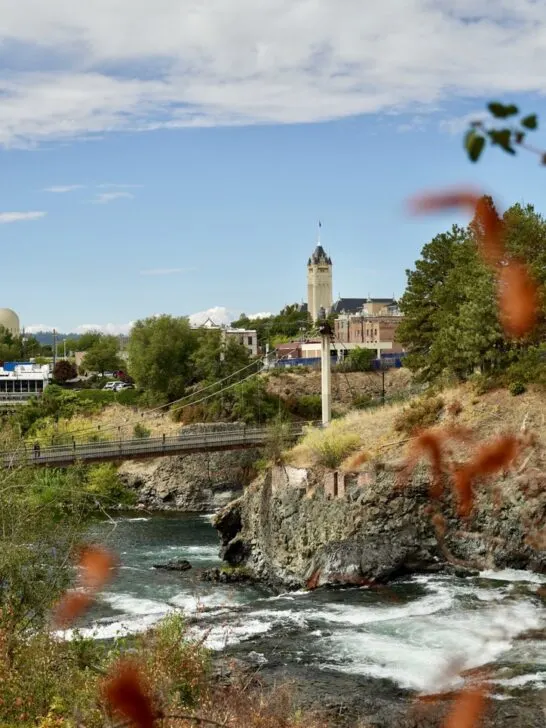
178, 565
303, 527
201, 482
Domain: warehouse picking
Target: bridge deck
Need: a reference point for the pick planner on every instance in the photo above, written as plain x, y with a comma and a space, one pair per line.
138, 448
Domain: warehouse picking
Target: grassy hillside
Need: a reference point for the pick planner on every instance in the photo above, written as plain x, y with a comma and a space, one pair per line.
385, 432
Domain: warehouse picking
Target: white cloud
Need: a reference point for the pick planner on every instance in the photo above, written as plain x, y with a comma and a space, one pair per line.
6, 217
90, 68
457, 124
114, 329
35, 328
104, 197
110, 184
164, 271
220, 315
63, 188
261, 314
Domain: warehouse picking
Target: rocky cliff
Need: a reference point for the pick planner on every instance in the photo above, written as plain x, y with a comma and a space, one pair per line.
297, 527
201, 482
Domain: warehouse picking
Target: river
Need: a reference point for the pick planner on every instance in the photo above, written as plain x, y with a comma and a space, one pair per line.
409, 632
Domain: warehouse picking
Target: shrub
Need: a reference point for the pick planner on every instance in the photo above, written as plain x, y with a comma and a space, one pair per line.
420, 414
308, 406
330, 447
517, 388
141, 432
64, 370
128, 397
362, 401
104, 483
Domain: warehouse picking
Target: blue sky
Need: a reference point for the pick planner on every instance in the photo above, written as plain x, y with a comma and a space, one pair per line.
147, 171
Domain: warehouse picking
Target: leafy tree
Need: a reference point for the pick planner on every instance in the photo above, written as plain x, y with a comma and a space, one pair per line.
359, 360
86, 341
450, 304
216, 358
102, 355
64, 370
424, 301
161, 355
289, 323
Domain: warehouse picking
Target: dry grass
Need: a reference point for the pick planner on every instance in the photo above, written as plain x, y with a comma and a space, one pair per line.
488, 415
345, 386
104, 425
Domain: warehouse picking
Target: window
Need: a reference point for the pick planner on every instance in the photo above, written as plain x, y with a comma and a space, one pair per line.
250, 340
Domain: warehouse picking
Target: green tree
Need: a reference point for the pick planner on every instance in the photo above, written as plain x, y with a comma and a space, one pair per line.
359, 360
215, 357
64, 370
424, 302
102, 356
86, 341
450, 304
161, 355
291, 322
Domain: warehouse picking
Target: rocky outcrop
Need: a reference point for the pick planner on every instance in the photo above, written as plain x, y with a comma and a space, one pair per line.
200, 482
177, 565
301, 527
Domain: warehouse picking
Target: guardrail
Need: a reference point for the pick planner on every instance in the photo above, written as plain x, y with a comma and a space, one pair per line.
17, 397
136, 448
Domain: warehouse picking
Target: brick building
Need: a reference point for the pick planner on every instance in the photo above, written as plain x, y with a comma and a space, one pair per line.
375, 324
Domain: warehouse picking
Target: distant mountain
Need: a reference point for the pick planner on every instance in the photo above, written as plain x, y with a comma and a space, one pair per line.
46, 337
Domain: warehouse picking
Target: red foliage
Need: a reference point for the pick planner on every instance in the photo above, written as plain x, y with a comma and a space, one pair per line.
126, 695
468, 709
518, 299
491, 232
488, 460
313, 580
70, 607
433, 201
430, 443
96, 565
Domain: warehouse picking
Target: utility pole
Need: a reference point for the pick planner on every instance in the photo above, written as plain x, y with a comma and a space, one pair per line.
54, 348
325, 331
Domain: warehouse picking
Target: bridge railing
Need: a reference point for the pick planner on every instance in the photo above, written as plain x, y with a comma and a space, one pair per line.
164, 445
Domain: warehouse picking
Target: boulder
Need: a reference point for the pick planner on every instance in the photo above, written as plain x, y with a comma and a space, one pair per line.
178, 565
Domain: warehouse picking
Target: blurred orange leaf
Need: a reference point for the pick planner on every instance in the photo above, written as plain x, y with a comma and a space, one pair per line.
125, 693
433, 201
70, 607
468, 709
518, 299
97, 565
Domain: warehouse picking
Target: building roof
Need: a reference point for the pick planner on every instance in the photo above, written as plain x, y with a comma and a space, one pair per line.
319, 256
354, 305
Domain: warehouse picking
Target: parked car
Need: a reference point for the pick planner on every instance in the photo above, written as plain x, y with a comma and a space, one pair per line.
120, 386
111, 385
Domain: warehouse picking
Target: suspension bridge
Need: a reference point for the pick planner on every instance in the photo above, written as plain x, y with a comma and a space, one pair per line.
140, 448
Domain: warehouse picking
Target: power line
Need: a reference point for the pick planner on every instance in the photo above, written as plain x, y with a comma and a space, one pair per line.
169, 405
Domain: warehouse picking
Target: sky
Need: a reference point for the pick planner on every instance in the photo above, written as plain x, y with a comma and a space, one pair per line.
176, 156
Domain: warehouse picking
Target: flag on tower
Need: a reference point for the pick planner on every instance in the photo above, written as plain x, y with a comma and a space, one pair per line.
319, 224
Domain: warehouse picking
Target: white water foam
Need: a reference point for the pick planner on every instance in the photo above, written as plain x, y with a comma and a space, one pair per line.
221, 636
416, 647
361, 615
514, 575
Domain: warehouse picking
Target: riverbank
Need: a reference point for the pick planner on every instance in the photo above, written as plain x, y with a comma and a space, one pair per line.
348, 652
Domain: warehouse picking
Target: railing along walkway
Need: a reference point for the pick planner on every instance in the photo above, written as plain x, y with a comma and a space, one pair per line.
137, 448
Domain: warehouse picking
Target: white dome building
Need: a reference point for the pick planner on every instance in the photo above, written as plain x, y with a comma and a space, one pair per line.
10, 321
